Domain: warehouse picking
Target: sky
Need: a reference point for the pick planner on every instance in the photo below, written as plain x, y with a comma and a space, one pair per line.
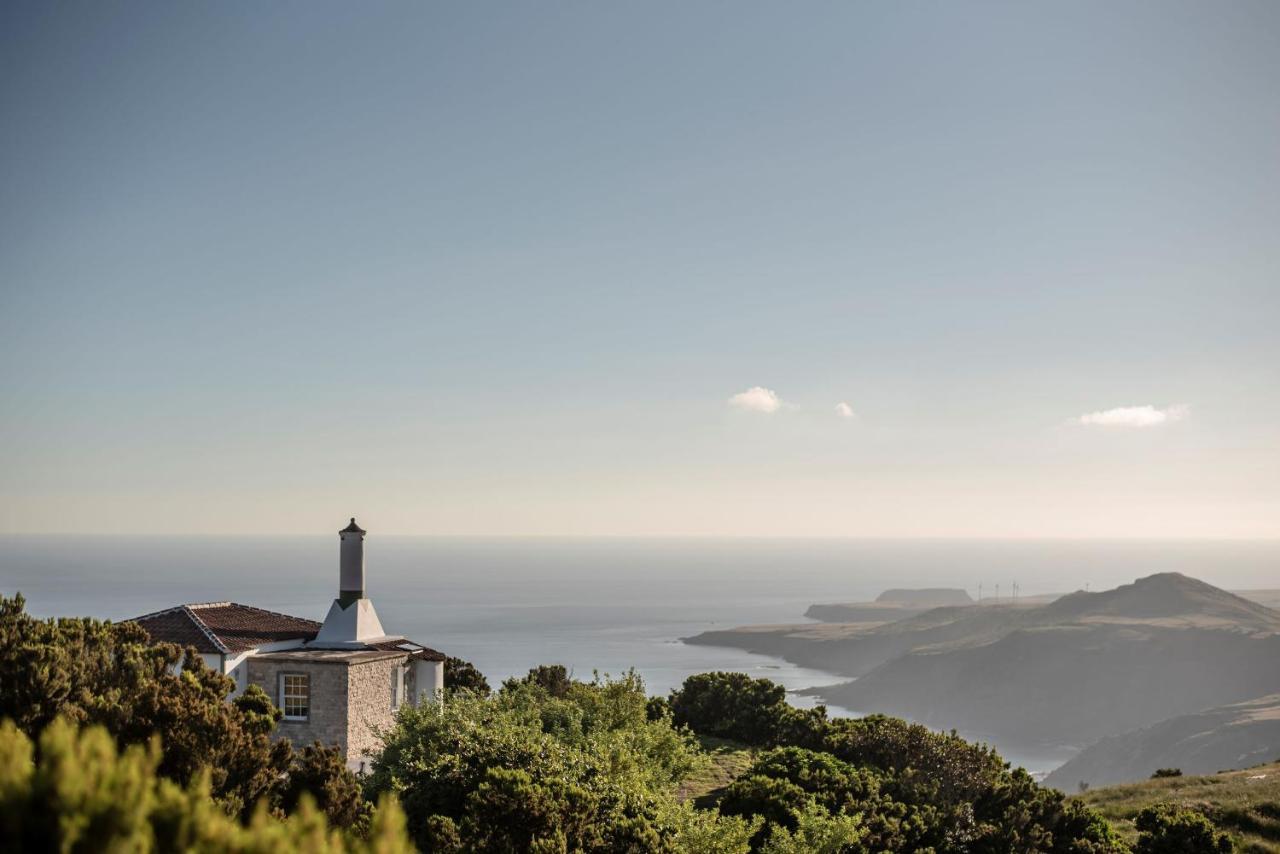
663, 269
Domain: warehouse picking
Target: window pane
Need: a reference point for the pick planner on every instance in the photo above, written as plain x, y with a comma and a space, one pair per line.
295, 695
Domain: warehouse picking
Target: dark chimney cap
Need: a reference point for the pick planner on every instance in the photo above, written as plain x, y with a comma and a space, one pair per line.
353, 528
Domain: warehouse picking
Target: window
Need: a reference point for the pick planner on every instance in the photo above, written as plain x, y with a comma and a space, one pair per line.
397, 686
295, 696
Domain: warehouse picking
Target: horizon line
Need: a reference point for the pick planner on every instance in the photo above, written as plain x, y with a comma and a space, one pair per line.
738, 537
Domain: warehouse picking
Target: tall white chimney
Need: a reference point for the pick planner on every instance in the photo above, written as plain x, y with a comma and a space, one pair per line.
351, 563
351, 622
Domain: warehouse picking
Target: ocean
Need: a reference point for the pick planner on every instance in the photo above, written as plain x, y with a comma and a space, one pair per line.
606, 605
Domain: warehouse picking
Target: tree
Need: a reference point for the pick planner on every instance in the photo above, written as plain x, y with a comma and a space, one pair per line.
730, 705
552, 678
462, 675
319, 773
81, 794
942, 766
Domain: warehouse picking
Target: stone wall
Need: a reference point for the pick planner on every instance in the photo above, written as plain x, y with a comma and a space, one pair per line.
328, 721
369, 700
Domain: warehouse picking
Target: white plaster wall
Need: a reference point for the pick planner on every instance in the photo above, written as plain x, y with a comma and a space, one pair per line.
428, 680
237, 666
354, 624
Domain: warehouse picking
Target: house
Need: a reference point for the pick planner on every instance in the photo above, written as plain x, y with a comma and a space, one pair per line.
336, 682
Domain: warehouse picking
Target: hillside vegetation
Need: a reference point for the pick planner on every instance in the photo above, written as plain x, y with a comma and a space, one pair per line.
1246, 803
1235, 736
106, 745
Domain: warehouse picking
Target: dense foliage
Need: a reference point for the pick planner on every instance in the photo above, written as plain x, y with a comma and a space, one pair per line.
1167, 829
911, 789
462, 675
1244, 804
547, 764
110, 674
80, 794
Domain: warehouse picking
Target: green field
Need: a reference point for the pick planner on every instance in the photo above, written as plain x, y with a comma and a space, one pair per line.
1245, 803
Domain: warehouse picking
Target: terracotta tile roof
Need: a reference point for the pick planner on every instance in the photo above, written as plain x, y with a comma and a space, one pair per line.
228, 627
225, 627
176, 626
416, 650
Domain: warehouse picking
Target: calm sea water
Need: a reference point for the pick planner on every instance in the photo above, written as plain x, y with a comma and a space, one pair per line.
591, 604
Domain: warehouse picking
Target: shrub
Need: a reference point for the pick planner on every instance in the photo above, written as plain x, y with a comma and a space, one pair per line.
81, 794
779, 802
1168, 829
819, 832
528, 770
910, 788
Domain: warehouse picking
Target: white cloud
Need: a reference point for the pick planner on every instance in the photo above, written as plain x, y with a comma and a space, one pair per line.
1133, 416
844, 410
756, 399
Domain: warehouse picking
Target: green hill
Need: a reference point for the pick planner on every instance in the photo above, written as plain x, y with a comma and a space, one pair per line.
1083, 667
1245, 803
1234, 736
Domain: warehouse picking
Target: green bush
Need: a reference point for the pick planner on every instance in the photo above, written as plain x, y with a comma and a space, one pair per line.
77, 793
752, 711
910, 788
1168, 829
546, 767
819, 832
552, 678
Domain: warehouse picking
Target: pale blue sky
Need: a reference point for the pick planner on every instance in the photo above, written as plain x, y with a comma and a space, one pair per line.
481, 268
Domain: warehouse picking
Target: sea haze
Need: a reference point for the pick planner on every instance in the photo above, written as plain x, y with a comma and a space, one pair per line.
591, 604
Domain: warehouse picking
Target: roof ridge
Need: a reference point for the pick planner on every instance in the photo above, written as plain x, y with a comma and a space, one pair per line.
200, 624
273, 613
159, 613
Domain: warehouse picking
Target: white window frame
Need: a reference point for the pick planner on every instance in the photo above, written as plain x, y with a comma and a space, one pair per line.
284, 677
397, 686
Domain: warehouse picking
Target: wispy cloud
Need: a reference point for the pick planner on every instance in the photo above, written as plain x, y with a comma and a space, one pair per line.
1133, 416
756, 399
844, 410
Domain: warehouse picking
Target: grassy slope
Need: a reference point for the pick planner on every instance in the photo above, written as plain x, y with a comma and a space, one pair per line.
729, 761
1245, 803
1233, 736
